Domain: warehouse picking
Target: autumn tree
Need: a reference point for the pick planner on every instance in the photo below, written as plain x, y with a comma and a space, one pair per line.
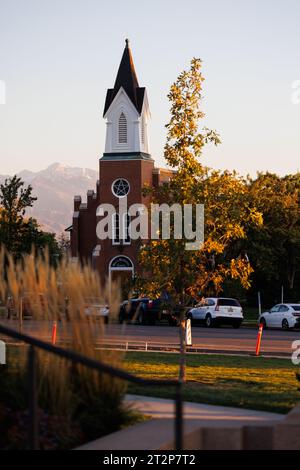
165, 263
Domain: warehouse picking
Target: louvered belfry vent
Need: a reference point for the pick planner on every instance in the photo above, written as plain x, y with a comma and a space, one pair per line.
122, 129
143, 131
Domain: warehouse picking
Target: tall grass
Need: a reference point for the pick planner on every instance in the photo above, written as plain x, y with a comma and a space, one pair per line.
62, 294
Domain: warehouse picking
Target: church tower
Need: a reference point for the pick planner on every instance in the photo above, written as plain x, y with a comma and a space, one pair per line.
125, 167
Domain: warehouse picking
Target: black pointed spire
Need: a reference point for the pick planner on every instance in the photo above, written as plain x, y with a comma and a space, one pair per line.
126, 78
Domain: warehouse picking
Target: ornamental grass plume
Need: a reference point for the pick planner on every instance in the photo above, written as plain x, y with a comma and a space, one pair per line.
70, 294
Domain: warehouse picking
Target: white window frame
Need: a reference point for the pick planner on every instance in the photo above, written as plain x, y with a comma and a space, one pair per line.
119, 241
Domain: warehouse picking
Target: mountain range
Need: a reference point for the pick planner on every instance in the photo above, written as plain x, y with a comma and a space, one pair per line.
55, 188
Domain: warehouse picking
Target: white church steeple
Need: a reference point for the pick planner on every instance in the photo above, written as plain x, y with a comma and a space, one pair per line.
126, 112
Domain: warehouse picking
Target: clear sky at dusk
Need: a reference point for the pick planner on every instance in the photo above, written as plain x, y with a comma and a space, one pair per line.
58, 57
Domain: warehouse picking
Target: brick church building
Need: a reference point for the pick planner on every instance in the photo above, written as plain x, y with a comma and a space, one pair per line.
125, 167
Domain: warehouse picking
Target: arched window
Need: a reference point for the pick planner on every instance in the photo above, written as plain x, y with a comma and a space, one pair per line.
121, 262
122, 129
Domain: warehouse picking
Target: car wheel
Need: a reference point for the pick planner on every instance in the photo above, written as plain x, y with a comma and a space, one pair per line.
285, 324
172, 321
141, 318
236, 324
263, 323
208, 321
121, 317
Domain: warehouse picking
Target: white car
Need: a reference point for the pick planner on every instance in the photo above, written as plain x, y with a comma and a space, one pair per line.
283, 316
97, 310
216, 311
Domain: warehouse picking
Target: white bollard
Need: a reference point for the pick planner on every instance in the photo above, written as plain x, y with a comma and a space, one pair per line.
2, 352
188, 332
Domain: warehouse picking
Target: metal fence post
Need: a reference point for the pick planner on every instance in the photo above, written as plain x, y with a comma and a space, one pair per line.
178, 417
32, 399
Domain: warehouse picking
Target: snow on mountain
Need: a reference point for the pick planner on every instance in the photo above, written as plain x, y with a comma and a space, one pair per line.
55, 188
57, 171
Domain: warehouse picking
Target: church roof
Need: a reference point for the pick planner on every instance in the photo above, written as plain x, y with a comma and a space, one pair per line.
126, 78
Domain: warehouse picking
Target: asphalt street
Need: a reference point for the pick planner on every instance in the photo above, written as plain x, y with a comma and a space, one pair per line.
225, 339
243, 340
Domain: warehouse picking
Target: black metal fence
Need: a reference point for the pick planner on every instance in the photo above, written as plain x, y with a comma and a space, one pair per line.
101, 367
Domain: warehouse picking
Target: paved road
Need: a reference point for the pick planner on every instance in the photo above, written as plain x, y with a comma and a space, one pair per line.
243, 340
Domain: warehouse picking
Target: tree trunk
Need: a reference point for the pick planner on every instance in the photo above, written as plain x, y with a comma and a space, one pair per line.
291, 277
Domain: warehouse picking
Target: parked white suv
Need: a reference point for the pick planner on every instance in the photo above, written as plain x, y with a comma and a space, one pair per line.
217, 311
283, 316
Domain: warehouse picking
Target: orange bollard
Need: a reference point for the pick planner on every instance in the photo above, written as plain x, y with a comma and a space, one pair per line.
54, 329
258, 341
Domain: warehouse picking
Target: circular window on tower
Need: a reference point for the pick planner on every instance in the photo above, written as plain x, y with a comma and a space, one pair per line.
120, 187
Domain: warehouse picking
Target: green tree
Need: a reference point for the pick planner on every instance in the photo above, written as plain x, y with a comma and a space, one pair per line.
166, 264
14, 200
19, 233
275, 246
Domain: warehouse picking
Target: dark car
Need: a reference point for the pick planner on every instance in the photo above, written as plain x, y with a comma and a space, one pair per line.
145, 311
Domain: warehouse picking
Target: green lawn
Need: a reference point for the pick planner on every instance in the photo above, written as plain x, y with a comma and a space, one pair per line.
246, 382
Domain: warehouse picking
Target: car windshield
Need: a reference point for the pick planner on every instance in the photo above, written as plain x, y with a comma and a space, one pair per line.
228, 302
296, 308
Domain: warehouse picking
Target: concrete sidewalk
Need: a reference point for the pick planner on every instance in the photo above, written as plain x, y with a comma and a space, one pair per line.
205, 427
206, 415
